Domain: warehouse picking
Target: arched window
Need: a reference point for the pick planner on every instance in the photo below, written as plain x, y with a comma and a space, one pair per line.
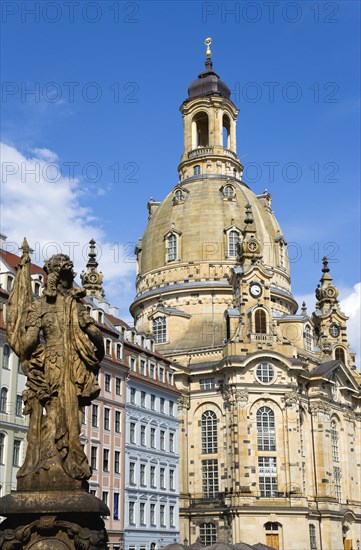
9, 283
6, 356
208, 533
266, 433
226, 128
200, 132
172, 247
196, 170
313, 539
160, 330
233, 243
2, 448
209, 433
178, 195
3, 400
36, 290
100, 317
308, 338
334, 441
260, 321
228, 192
340, 354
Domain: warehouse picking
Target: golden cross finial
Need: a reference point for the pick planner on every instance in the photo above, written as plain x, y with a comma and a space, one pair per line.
208, 42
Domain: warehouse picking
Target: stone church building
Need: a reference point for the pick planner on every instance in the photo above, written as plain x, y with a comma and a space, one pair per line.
270, 405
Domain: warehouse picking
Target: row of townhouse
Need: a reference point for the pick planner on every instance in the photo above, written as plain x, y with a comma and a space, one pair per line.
130, 433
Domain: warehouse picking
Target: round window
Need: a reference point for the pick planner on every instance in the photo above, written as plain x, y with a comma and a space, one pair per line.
265, 373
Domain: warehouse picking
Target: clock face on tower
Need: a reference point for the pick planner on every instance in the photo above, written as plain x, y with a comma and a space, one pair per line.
255, 290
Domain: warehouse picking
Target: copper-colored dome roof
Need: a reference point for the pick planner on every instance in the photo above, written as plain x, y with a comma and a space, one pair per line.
208, 83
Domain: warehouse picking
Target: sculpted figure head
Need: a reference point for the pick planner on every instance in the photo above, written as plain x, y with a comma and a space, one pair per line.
59, 270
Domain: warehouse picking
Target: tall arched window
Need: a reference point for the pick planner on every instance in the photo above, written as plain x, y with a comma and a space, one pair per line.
3, 400
2, 448
334, 441
172, 247
209, 433
313, 539
308, 338
200, 132
226, 132
260, 321
160, 330
340, 354
266, 433
208, 533
233, 243
6, 356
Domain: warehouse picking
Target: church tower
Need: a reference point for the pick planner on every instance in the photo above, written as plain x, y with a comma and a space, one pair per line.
270, 396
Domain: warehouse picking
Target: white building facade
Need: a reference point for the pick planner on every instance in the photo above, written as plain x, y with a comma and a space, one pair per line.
151, 454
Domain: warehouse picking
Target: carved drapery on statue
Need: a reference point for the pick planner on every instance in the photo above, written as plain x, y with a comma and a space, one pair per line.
60, 348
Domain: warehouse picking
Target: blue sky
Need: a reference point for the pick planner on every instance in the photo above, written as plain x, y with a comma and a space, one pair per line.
108, 79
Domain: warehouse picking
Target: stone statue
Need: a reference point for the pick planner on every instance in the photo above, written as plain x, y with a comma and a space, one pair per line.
60, 349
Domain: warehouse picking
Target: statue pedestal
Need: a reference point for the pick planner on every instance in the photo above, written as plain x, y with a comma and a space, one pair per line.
52, 520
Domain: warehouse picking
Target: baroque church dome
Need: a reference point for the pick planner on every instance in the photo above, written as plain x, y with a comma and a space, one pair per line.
208, 225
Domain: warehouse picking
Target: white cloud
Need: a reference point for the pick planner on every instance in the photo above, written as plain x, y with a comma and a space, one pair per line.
38, 202
350, 304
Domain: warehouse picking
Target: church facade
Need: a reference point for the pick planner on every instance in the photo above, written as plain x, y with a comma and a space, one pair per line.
270, 404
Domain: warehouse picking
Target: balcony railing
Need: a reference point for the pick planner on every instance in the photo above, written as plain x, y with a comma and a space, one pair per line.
209, 150
261, 337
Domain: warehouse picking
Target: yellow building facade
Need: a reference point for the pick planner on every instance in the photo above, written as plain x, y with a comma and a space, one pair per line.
270, 406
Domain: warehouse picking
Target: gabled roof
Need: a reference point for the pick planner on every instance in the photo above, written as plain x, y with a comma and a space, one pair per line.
12, 260
325, 370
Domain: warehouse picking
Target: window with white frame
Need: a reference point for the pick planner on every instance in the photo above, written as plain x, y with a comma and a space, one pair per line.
260, 321
117, 462
118, 386
2, 448
117, 418
196, 170
171, 442
142, 367
171, 516
313, 539
210, 483
19, 406
94, 416
161, 374
334, 441
228, 191
142, 513
208, 534
132, 364
209, 432
106, 424
142, 475
105, 460
93, 457
132, 395
152, 476
159, 332
119, 352
152, 514
6, 356
265, 373
337, 482
131, 516
162, 440
152, 438
266, 432
171, 480
172, 247
308, 338
162, 478
162, 515
267, 472
3, 400
132, 473
142, 435
233, 243
108, 347
142, 398
132, 432
16, 452
207, 383
107, 380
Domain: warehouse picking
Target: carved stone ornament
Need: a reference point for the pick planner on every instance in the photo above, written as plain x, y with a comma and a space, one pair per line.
50, 532
241, 396
291, 399
184, 402
320, 408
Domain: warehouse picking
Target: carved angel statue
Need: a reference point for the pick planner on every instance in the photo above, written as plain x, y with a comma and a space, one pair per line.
60, 349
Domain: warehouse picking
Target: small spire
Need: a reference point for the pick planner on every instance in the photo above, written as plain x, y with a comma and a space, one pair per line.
92, 278
304, 309
208, 42
325, 268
